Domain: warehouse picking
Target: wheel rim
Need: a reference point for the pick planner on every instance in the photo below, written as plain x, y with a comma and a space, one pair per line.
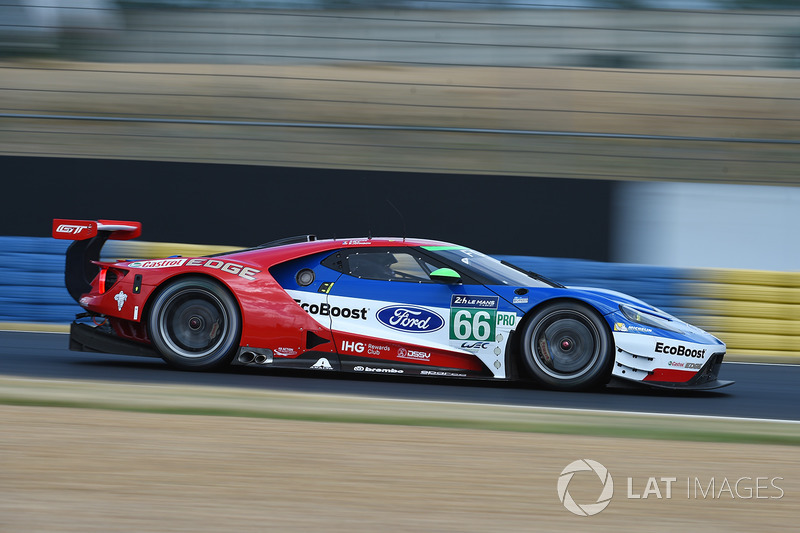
565, 344
193, 323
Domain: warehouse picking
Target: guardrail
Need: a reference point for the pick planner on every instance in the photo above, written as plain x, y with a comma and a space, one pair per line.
754, 312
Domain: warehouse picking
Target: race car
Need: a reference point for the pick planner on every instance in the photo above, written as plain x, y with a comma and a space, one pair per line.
383, 306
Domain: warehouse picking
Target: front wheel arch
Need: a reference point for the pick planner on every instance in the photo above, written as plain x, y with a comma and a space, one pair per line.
599, 370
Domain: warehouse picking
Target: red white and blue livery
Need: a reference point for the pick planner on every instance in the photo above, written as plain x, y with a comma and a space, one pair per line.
391, 306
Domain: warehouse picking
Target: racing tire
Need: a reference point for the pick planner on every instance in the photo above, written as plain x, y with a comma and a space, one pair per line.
195, 324
567, 346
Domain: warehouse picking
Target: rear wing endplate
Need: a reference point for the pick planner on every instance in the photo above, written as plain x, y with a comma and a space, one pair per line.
89, 237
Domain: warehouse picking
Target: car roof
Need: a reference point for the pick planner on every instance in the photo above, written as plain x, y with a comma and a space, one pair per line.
281, 252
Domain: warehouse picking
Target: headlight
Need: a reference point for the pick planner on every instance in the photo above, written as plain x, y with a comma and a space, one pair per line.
647, 318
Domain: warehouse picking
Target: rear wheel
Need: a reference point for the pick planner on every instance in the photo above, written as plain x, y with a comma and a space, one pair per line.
195, 324
567, 346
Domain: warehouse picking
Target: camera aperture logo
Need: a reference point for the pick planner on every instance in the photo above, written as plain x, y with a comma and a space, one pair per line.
586, 509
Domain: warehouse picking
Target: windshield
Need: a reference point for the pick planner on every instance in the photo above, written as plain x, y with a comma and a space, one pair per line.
486, 267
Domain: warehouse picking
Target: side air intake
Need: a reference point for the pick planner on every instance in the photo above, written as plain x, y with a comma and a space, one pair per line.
313, 340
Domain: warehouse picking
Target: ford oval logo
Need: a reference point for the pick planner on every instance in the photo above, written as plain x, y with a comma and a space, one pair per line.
410, 318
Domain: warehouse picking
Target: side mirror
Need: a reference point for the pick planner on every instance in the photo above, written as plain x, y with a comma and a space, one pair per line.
446, 275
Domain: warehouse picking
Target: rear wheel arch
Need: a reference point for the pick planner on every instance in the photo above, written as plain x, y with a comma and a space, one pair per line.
148, 305
213, 296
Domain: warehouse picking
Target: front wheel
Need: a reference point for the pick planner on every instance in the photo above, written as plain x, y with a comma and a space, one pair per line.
567, 346
195, 324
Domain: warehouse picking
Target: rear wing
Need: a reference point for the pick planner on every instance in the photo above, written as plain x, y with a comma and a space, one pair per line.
89, 237
80, 230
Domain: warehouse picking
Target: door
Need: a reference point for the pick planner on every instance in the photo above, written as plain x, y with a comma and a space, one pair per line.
388, 310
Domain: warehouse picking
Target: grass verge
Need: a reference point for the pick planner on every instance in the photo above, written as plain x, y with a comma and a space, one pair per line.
231, 402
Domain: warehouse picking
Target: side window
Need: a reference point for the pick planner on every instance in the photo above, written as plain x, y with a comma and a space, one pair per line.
388, 265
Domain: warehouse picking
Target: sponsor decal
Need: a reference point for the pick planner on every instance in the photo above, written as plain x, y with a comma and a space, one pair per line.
322, 364
284, 352
403, 353
520, 300
71, 229
482, 302
349, 346
231, 268
475, 345
242, 271
506, 320
325, 309
356, 242
679, 350
120, 297
362, 347
687, 366
410, 318
158, 263
619, 326
135, 312
544, 352
441, 373
378, 370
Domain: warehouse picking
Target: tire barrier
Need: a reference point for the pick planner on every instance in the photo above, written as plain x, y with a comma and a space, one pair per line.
32, 281
753, 312
662, 287
32, 286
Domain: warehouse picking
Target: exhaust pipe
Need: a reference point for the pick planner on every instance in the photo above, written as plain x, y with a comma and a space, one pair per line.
247, 357
259, 356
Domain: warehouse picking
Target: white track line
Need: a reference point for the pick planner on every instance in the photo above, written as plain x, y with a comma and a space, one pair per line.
757, 363
33, 331
590, 411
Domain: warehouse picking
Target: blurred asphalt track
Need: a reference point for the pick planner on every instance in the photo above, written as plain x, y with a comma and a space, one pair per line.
760, 391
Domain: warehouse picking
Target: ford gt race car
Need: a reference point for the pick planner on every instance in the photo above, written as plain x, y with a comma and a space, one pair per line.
374, 306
